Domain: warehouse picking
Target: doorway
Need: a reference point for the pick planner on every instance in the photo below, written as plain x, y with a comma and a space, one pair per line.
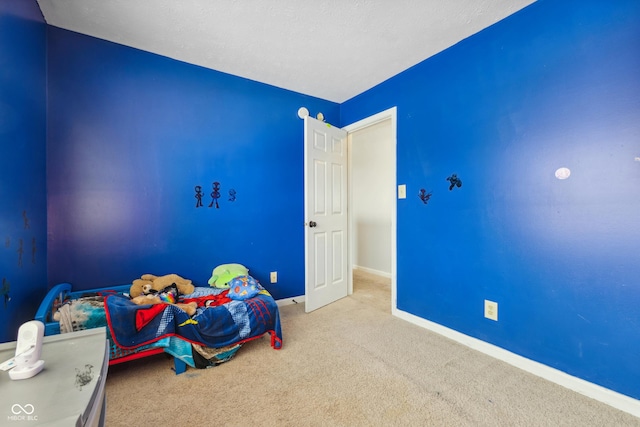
371, 147
325, 267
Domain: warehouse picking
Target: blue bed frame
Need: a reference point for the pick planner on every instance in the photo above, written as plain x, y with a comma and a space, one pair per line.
62, 292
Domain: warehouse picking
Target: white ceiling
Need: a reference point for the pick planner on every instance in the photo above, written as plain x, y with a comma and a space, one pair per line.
331, 49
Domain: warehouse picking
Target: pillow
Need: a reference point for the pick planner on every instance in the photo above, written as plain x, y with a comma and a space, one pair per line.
243, 287
222, 274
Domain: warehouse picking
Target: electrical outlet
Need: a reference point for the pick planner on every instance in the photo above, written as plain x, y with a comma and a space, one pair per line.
402, 191
274, 277
491, 310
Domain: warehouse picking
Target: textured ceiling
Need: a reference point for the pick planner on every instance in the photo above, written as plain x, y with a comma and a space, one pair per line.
331, 49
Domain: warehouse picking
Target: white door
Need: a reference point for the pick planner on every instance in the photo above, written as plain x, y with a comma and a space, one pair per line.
325, 210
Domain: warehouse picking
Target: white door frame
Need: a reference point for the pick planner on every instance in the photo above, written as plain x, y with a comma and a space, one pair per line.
392, 114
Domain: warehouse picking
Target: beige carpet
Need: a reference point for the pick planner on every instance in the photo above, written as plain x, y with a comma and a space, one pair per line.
348, 364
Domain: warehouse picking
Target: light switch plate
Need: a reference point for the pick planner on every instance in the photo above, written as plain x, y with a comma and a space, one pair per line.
402, 191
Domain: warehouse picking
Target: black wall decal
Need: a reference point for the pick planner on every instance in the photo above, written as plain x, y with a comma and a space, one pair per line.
424, 196
455, 181
215, 195
6, 287
198, 196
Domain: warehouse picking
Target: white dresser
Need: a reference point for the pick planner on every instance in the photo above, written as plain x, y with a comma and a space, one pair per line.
70, 390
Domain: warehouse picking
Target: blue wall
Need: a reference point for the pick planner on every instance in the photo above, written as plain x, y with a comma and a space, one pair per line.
22, 164
130, 136
555, 85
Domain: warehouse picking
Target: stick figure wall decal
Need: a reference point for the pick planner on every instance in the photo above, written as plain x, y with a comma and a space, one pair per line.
215, 195
6, 288
198, 196
455, 181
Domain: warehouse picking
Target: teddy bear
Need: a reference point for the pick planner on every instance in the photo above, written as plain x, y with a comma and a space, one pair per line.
151, 289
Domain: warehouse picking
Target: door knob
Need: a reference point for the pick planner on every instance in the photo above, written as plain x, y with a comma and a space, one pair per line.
312, 224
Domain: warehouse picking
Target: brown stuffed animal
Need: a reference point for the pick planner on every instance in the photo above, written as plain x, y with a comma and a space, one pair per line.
149, 290
150, 284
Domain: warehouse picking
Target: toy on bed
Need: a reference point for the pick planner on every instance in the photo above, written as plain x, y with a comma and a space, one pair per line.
216, 329
224, 273
167, 289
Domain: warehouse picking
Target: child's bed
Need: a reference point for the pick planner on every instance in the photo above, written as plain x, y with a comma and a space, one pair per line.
211, 336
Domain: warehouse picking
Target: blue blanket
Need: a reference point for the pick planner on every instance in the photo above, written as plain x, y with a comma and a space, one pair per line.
212, 326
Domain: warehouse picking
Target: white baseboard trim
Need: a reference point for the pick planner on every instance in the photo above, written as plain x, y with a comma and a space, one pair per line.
290, 301
586, 388
373, 271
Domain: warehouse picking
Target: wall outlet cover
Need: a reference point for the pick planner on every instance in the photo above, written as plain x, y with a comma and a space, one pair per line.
491, 310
